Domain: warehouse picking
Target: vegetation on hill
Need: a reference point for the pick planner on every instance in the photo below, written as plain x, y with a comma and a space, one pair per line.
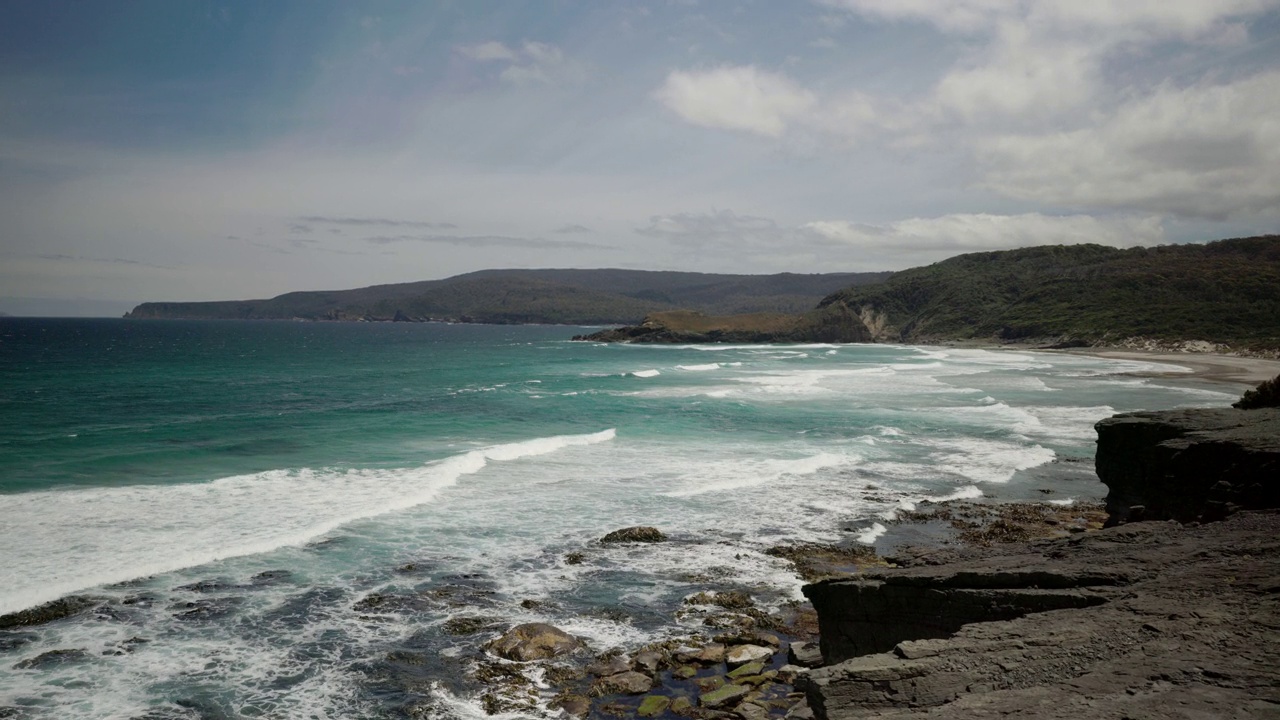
581, 297
1266, 395
1224, 292
831, 323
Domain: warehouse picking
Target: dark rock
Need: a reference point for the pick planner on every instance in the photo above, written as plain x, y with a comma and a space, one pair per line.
1171, 463
50, 611
1205, 588
804, 654
573, 705
634, 534
51, 658
860, 617
609, 665
534, 641
751, 711
649, 661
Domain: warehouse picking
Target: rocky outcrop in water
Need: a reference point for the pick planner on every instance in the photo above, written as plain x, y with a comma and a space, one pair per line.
1189, 465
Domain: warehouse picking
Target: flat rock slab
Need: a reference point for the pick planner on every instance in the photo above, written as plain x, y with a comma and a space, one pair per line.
1192, 631
723, 696
741, 654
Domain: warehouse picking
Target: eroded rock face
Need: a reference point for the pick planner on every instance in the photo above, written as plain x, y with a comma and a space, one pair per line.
534, 641
1189, 465
1183, 623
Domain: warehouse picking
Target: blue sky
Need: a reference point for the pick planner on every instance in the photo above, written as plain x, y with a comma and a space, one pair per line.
160, 150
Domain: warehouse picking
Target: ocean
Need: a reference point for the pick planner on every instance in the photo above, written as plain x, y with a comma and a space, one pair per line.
279, 519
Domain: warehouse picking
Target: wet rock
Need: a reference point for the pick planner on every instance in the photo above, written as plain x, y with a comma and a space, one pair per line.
572, 705
712, 654
534, 641
751, 668
684, 672
625, 683
800, 711
740, 654
751, 711
609, 665
127, 646
51, 658
574, 558
723, 696
50, 611
641, 534
708, 684
649, 661
682, 706
787, 673
467, 625
653, 705
804, 654
270, 577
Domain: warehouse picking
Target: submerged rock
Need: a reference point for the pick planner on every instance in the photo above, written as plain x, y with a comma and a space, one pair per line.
640, 533
625, 683
53, 657
653, 705
50, 611
534, 641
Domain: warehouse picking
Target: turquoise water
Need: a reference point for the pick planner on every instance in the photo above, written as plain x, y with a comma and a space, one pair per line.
233, 491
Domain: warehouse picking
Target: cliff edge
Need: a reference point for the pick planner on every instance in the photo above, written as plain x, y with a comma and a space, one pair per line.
1147, 618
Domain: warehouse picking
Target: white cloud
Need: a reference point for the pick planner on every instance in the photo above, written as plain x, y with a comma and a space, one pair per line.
951, 234
531, 63
1203, 151
736, 98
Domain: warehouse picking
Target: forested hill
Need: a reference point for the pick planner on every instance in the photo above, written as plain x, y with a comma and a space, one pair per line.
581, 297
1226, 291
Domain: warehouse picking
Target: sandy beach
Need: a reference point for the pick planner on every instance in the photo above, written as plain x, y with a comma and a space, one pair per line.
1205, 366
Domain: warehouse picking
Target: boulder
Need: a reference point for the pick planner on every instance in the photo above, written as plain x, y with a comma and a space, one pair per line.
751, 668
751, 711
741, 654
648, 661
641, 534
534, 641
712, 654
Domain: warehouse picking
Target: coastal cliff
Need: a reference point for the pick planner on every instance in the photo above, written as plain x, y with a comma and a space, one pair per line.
1141, 619
833, 323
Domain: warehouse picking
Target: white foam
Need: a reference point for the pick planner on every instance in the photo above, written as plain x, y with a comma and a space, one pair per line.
60, 542
644, 373
735, 475
871, 534
988, 461
699, 368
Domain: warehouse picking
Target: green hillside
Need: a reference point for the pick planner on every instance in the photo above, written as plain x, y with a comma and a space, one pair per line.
580, 297
1226, 291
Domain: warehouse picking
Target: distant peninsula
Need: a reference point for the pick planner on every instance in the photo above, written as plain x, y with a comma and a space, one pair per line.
551, 296
1225, 294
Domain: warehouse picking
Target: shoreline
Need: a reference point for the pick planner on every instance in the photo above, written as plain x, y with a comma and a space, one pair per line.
1212, 367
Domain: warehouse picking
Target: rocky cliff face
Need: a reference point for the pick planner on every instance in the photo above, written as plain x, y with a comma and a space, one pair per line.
1189, 465
1141, 619
833, 323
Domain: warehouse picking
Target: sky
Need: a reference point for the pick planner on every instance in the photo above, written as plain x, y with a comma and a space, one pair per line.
200, 150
